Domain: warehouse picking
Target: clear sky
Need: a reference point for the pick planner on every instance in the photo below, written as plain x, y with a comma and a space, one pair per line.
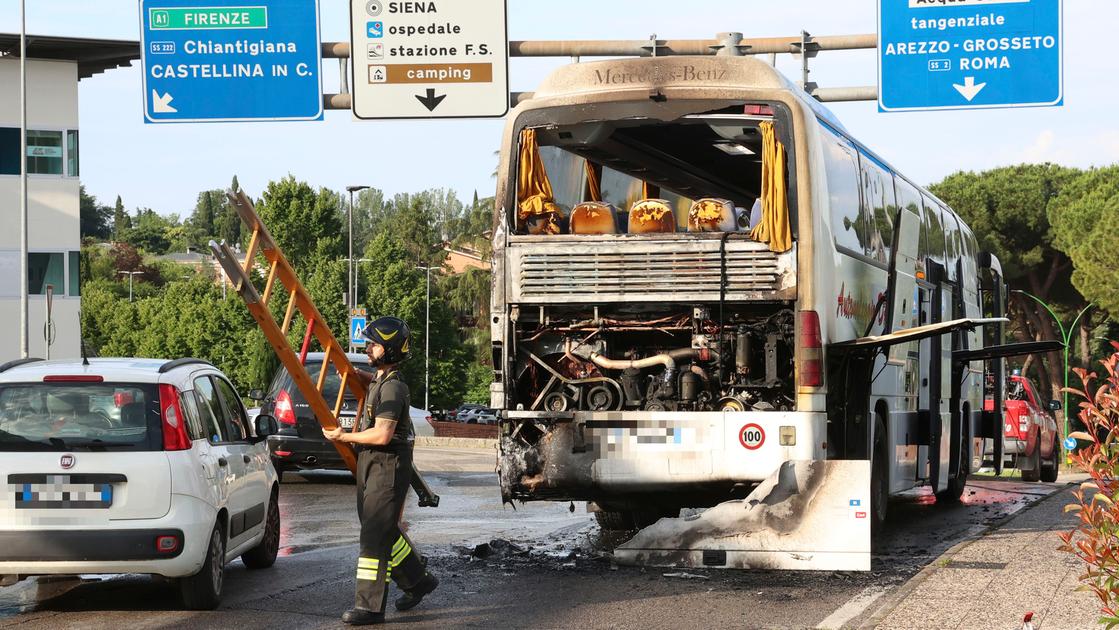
165, 166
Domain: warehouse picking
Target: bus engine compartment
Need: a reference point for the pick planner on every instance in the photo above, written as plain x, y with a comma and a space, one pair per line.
677, 358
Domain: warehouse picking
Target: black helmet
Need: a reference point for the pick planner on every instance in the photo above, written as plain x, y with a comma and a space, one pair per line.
392, 334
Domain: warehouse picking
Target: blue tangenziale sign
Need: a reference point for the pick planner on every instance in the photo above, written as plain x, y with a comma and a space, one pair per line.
969, 54
223, 60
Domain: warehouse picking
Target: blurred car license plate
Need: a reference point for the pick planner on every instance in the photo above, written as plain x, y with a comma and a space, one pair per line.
60, 492
346, 422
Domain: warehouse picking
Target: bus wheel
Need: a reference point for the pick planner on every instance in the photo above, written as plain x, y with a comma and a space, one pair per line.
879, 491
956, 484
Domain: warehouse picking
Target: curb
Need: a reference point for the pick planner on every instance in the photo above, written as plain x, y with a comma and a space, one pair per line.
455, 442
897, 597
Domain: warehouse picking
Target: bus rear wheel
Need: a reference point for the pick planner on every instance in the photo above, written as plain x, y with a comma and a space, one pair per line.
958, 482
879, 490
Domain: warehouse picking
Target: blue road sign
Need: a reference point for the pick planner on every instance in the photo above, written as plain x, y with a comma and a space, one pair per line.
357, 324
224, 61
969, 54
1070, 444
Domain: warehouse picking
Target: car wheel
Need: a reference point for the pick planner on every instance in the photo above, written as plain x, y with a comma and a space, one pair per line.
202, 591
263, 555
1049, 471
279, 471
1035, 473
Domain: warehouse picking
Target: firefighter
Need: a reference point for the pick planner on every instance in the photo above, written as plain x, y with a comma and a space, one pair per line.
383, 442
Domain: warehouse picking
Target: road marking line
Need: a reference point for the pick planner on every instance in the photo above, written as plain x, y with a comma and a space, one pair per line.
853, 608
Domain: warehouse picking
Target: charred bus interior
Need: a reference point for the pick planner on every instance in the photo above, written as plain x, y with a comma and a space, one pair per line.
637, 281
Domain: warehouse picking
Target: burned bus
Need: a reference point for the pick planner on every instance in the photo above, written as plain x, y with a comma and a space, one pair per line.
702, 282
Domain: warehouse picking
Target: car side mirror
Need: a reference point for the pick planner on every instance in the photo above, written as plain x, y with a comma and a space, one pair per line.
1054, 405
256, 394
266, 425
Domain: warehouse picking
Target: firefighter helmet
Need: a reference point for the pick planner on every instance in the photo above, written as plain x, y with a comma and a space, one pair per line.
392, 334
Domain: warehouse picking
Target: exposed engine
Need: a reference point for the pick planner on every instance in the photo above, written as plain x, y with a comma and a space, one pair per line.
698, 360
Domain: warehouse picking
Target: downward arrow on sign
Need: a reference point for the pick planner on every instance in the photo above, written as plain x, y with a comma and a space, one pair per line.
969, 89
162, 104
431, 101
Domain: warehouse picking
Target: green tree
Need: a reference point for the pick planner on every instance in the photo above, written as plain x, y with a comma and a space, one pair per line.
306, 224
1007, 208
149, 231
1085, 219
206, 211
94, 217
121, 221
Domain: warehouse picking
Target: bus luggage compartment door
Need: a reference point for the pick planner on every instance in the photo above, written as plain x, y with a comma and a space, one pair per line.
807, 515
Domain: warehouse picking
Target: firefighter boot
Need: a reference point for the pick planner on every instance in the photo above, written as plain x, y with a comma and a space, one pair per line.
362, 617
412, 598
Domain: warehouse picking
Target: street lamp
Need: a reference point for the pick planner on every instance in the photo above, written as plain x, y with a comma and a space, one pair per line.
350, 267
357, 277
1066, 336
130, 274
427, 339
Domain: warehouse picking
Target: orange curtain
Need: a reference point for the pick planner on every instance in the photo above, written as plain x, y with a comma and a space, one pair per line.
774, 227
534, 191
593, 187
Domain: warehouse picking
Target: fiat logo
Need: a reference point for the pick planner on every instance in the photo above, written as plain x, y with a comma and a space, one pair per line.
67, 462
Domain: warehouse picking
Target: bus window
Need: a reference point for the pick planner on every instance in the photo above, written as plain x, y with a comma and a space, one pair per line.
567, 174
909, 197
952, 244
934, 229
848, 223
623, 191
879, 203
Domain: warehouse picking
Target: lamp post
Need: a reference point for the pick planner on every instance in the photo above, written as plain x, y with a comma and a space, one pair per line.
351, 292
357, 277
427, 340
130, 275
1066, 336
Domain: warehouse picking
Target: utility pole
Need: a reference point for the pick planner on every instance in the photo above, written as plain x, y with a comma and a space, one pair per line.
24, 328
351, 289
427, 341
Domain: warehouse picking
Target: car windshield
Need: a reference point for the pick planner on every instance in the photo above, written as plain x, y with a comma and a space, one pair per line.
70, 416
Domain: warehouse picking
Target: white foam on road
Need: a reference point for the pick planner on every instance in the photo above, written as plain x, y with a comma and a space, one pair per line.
853, 608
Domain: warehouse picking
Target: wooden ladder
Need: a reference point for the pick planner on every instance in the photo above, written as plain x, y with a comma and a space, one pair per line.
299, 300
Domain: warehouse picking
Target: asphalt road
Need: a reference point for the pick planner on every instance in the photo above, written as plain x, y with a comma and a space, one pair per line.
549, 567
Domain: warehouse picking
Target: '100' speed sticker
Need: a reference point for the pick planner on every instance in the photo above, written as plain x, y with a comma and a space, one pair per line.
751, 436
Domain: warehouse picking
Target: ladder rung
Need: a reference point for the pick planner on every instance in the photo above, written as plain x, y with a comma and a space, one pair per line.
324, 368
289, 314
251, 252
268, 285
342, 395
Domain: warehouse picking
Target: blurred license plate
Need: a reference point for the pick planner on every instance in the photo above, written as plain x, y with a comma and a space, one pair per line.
61, 492
346, 422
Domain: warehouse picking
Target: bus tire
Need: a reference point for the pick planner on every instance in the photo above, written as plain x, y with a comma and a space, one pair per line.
614, 521
955, 490
879, 489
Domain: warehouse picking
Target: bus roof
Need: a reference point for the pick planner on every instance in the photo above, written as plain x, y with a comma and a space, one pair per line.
721, 77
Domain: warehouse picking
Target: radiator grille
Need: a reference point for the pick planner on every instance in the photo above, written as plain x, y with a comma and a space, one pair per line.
660, 274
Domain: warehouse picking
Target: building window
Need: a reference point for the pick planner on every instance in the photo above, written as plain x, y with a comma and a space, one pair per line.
9, 151
44, 152
75, 274
44, 269
72, 152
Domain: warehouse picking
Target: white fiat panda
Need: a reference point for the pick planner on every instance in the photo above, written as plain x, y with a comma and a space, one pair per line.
133, 466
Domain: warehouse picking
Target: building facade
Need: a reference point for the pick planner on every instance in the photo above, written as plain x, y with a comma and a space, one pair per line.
53, 159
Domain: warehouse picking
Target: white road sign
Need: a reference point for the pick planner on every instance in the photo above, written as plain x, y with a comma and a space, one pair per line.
435, 59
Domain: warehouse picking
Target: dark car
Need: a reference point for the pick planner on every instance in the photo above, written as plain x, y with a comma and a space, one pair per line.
300, 444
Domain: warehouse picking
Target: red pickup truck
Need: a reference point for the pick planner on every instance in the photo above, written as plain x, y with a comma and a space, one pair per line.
1032, 441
